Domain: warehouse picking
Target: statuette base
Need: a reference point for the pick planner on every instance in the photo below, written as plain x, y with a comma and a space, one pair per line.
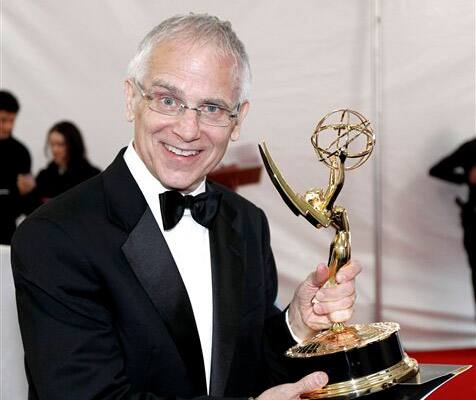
360, 360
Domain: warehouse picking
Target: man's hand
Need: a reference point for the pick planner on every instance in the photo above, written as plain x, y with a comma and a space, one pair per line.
315, 307
25, 183
293, 391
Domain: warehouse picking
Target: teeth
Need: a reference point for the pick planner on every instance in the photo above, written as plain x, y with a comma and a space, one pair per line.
180, 152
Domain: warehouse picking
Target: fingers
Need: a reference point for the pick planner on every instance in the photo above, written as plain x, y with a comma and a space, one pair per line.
327, 307
324, 314
335, 303
348, 272
335, 293
318, 323
312, 283
311, 382
320, 275
293, 391
341, 315
316, 306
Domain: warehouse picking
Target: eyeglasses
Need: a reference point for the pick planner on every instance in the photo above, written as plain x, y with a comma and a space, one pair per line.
167, 104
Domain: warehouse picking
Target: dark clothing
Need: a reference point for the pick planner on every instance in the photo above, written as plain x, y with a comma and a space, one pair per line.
455, 168
51, 182
104, 313
14, 160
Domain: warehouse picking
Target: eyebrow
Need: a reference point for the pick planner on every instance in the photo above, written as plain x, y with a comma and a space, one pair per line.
180, 93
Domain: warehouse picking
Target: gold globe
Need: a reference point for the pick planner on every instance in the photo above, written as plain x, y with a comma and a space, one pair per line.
344, 132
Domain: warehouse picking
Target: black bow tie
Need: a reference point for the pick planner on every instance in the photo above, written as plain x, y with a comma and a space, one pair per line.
203, 207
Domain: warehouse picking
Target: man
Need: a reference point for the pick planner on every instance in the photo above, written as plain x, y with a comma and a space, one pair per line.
460, 167
15, 164
119, 297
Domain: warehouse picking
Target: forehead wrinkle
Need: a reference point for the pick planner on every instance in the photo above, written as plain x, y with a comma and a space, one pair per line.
168, 58
172, 88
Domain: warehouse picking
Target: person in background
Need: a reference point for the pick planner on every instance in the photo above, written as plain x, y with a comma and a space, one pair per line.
69, 165
460, 167
15, 164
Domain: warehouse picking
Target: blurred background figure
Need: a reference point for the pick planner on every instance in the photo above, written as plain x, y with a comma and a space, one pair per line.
69, 165
15, 164
460, 167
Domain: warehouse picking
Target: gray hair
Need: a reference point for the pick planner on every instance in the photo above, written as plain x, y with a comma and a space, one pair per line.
193, 28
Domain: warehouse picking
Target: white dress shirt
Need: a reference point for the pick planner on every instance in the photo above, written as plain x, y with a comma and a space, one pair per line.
189, 244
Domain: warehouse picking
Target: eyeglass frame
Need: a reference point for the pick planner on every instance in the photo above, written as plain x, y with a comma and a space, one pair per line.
148, 97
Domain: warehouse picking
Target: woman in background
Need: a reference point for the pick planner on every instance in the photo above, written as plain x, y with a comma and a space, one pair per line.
69, 165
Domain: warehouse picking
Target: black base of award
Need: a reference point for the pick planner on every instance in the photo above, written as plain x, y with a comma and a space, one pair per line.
357, 367
371, 373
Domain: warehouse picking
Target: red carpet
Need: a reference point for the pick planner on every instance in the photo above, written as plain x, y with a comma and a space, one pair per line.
462, 386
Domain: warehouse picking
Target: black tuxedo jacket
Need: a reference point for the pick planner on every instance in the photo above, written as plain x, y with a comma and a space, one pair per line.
104, 313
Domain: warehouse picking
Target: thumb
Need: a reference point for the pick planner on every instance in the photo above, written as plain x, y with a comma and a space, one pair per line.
311, 382
319, 276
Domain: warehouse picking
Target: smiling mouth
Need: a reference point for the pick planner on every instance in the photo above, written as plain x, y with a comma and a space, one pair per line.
180, 152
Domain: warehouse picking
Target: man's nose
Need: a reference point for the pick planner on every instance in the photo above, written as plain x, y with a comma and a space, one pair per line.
187, 125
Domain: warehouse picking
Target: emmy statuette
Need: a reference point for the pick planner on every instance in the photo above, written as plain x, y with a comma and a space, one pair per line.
360, 359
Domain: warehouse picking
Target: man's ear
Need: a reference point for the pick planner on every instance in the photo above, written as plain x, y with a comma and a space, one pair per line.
235, 133
129, 95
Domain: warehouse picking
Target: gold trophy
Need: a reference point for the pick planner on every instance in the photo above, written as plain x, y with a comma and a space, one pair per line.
364, 358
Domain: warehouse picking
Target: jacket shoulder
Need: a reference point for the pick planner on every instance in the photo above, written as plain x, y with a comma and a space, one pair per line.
238, 201
78, 202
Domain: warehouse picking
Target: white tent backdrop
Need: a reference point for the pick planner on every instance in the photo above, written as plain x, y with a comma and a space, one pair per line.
66, 60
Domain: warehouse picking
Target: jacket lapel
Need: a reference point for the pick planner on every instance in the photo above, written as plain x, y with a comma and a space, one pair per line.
149, 257
154, 266
227, 249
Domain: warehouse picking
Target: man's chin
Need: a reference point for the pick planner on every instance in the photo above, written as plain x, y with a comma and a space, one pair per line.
182, 185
